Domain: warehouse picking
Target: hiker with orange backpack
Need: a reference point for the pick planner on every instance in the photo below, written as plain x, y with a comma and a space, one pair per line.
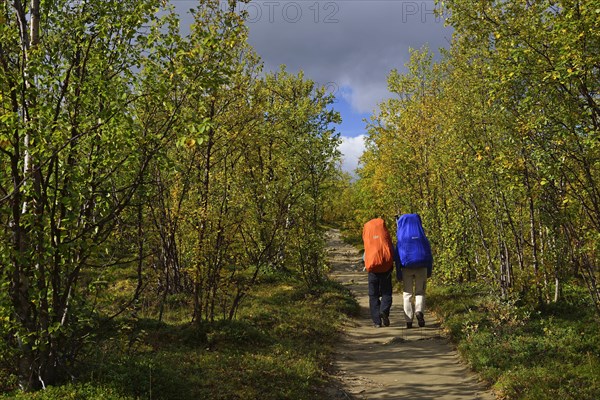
379, 263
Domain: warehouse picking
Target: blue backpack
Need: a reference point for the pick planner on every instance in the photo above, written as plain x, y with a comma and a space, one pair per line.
413, 246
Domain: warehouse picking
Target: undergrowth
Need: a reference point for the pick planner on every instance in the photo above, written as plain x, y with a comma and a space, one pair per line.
279, 347
548, 352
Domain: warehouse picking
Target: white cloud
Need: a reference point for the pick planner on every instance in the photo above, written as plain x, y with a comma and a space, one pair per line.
351, 149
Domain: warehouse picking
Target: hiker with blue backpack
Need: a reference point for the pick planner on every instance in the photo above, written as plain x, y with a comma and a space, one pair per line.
414, 266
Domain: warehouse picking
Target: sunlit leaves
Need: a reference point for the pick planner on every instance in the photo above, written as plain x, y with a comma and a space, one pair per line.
84, 114
499, 139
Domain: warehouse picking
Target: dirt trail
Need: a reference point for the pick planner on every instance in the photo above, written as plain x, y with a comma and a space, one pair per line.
393, 362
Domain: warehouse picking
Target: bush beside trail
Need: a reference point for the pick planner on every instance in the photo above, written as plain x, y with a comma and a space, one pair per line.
279, 347
524, 353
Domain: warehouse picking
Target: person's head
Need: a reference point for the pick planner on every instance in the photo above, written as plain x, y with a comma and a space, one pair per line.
375, 215
398, 214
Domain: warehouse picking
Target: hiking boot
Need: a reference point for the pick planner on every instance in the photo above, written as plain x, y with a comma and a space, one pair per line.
376, 325
385, 319
421, 319
408, 325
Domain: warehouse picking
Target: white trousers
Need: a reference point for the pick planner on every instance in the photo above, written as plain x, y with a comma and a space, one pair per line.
414, 281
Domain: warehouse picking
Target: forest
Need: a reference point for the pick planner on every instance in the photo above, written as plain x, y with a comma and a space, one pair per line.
163, 200
497, 147
140, 166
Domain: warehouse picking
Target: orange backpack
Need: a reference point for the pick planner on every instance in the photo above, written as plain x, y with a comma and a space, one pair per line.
378, 246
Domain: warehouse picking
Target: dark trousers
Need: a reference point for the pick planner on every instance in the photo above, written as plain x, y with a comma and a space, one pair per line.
380, 295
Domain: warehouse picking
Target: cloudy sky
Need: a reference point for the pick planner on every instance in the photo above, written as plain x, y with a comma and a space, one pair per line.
349, 46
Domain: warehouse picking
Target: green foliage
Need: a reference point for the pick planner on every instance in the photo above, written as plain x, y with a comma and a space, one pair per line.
144, 172
492, 146
74, 157
73, 392
250, 196
279, 347
553, 351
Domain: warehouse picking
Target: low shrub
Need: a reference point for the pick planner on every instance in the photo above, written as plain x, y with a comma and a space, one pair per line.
525, 353
278, 347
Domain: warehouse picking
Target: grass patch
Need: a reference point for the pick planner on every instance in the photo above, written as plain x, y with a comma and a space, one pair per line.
279, 347
524, 353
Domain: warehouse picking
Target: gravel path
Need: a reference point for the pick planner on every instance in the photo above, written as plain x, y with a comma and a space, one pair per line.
393, 362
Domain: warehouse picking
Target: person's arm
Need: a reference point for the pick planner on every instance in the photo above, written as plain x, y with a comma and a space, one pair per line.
363, 261
430, 266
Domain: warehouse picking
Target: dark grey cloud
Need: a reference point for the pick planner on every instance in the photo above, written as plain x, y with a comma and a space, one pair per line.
350, 44
353, 44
